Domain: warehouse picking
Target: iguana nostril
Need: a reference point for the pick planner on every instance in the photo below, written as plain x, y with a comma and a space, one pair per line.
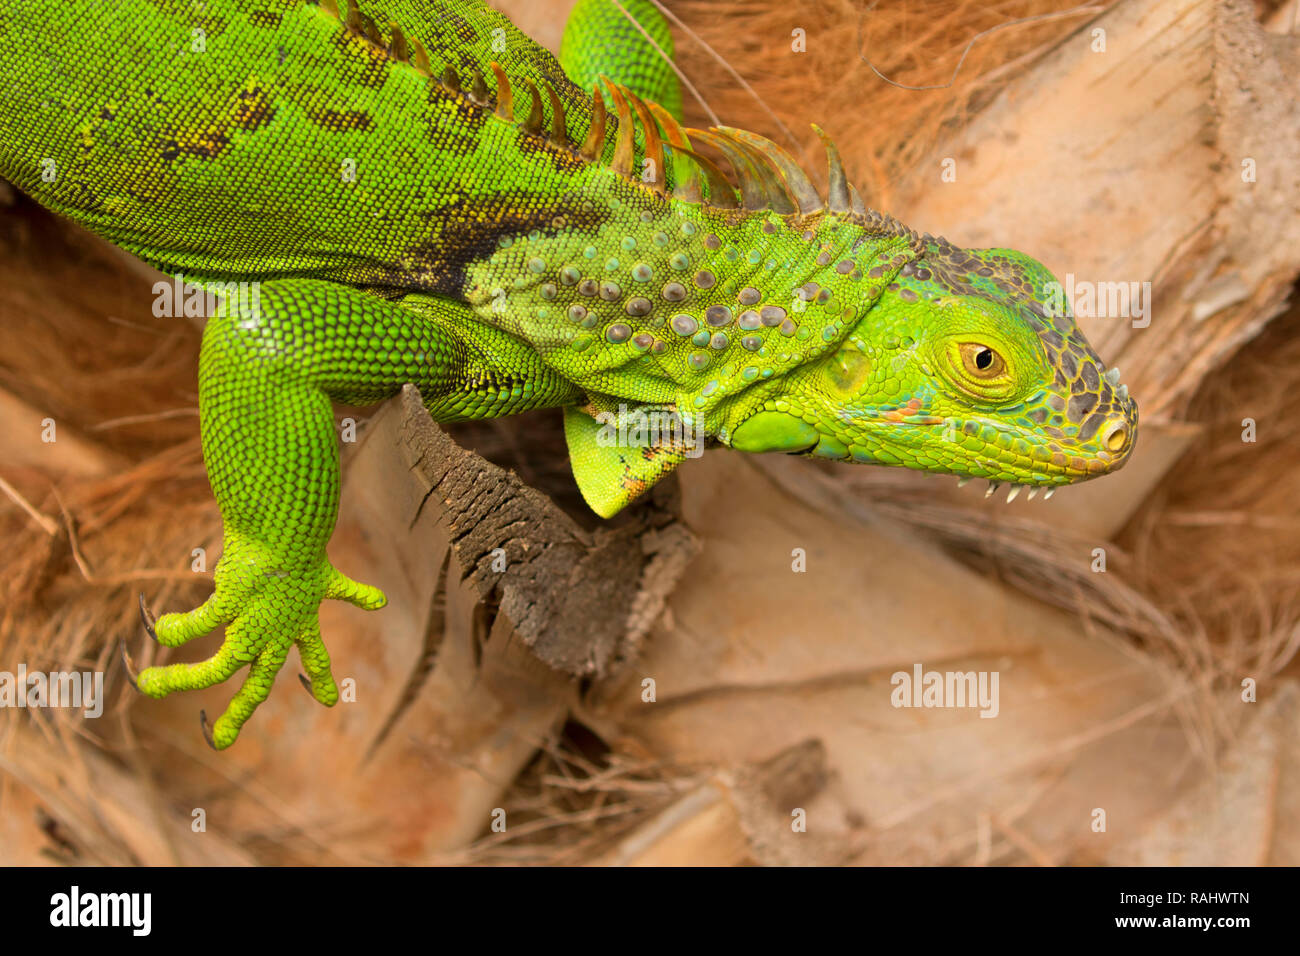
1116, 438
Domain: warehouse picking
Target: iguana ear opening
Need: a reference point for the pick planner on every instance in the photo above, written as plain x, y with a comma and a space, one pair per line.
774, 431
611, 473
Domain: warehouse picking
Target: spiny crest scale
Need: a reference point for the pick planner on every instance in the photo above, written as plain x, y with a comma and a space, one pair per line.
768, 177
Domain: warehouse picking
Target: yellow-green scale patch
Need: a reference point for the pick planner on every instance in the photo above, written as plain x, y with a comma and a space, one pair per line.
671, 302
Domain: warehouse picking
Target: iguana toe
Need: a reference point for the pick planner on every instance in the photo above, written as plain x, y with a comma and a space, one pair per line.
147, 619
132, 674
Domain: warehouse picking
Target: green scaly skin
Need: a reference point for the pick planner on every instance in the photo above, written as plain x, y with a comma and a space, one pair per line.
402, 231
599, 40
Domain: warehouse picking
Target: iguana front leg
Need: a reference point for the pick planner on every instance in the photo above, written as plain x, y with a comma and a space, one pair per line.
267, 374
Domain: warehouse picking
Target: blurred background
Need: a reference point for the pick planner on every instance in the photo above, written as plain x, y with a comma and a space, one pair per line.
1143, 628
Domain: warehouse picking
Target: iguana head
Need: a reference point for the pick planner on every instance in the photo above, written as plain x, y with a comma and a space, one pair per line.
773, 319
968, 364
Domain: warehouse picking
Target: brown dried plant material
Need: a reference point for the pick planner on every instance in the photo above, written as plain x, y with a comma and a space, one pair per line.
890, 82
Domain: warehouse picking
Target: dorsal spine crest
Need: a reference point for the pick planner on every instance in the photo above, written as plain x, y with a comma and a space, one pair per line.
770, 180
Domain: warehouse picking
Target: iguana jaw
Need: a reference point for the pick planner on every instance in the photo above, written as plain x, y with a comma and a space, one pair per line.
978, 447
972, 447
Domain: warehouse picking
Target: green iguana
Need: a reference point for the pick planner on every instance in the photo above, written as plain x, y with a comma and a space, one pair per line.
421, 194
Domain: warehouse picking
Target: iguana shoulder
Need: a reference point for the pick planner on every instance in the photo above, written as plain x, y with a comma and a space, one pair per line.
255, 140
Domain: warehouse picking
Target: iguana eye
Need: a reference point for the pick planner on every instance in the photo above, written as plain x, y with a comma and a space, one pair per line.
978, 370
981, 361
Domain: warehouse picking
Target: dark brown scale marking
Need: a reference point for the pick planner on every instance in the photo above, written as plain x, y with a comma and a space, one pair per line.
208, 145
339, 121
463, 132
1081, 405
374, 61
471, 232
253, 109
464, 30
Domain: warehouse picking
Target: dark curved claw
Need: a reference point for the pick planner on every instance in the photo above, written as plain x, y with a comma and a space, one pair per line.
147, 618
207, 731
132, 674
302, 679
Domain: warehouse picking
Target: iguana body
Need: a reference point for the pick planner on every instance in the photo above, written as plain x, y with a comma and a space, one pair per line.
456, 232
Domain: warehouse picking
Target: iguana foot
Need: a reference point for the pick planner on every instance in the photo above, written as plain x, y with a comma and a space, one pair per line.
267, 608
